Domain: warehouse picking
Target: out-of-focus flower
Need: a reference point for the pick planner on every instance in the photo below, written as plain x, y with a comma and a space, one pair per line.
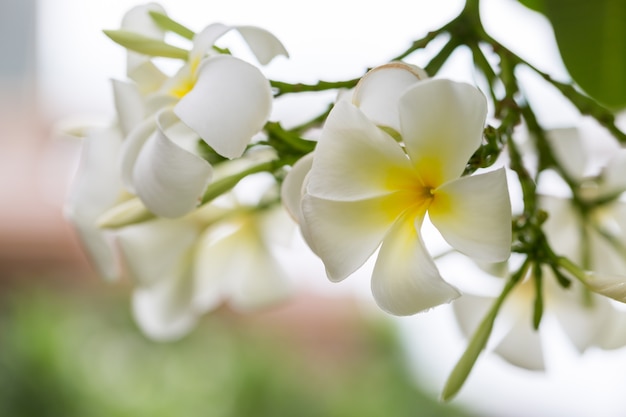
588, 229
96, 189
216, 97
367, 186
186, 267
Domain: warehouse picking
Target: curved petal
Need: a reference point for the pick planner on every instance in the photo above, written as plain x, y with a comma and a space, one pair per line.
469, 310
155, 250
582, 323
378, 93
442, 125
568, 150
95, 189
521, 346
612, 286
237, 266
614, 174
405, 280
473, 215
292, 189
356, 160
204, 40
139, 68
129, 105
562, 228
263, 44
230, 102
345, 234
164, 311
169, 177
131, 147
613, 332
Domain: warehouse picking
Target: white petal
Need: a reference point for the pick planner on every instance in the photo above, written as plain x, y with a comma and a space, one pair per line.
204, 41
582, 323
612, 286
473, 214
164, 311
562, 228
405, 280
567, 147
614, 174
355, 160
469, 310
139, 67
292, 188
442, 125
230, 102
95, 189
237, 266
345, 234
378, 93
263, 44
131, 147
155, 250
613, 331
521, 346
168, 176
129, 105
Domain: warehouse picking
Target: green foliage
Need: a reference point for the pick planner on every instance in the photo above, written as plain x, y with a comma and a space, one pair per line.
64, 357
591, 36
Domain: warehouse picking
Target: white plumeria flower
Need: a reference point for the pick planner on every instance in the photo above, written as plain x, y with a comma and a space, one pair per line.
96, 188
218, 98
186, 267
365, 188
584, 318
594, 236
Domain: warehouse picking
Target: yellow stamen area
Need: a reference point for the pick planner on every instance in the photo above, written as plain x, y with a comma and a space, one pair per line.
182, 88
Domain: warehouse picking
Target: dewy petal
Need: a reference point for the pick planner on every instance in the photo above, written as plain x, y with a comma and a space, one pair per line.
230, 102
95, 189
345, 234
263, 44
169, 178
355, 160
378, 92
405, 280
164, 311
155, 250
442, 124
129, 105
473, 214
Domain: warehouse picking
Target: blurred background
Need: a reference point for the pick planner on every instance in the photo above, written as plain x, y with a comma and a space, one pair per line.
68, 345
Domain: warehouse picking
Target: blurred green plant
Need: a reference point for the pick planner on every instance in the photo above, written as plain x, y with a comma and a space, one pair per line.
591, 36
64, 356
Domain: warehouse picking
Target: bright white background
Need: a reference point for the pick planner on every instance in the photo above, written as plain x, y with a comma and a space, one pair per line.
334, 40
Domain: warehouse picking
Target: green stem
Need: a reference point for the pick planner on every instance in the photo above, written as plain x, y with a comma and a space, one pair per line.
461, 371
288, 88
223, 185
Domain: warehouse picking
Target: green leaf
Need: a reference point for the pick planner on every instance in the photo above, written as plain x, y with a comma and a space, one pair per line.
591, 36
536, 5
145, 45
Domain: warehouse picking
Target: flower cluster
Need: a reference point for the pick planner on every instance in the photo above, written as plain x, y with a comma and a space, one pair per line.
157, 197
